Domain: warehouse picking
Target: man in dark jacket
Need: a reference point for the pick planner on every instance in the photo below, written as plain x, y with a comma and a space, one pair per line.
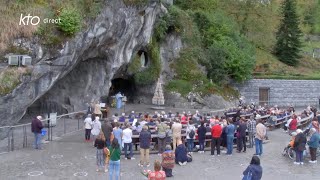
202, 136
241, 136
145, 139
36, 127
107, 130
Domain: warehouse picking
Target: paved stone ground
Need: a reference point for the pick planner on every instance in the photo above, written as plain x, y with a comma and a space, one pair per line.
63, 158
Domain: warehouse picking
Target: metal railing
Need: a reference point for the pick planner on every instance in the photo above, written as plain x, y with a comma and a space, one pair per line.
20, 136
298, 103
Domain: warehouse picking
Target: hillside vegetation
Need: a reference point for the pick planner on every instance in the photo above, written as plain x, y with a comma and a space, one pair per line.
73, 14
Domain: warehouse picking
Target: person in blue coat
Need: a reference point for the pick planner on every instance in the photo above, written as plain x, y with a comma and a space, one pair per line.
230, 129
313, 144
254, 170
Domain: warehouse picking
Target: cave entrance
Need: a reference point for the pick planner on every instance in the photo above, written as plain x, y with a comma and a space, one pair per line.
125, 86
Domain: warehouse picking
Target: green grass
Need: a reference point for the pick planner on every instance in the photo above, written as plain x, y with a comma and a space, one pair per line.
9, 80
268, 66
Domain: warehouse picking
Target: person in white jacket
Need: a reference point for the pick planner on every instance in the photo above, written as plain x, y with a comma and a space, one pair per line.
96, 128
88, 127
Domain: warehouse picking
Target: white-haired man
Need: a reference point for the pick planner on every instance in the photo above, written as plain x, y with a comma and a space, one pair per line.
36, 127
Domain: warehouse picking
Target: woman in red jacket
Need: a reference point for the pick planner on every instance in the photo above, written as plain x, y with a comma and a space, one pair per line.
293, 124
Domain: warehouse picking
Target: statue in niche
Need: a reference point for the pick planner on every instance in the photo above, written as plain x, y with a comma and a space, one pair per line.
143, 59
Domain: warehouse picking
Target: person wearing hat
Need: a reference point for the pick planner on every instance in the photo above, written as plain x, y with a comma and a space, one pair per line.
168, 159
299, 146
36, 127
313, 144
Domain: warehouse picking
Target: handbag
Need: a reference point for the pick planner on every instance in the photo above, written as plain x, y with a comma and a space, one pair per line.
238, 134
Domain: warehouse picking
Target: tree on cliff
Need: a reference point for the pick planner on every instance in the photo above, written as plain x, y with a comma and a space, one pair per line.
288, 44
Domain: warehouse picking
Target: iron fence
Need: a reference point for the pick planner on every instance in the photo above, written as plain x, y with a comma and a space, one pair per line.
20, 136
299, 103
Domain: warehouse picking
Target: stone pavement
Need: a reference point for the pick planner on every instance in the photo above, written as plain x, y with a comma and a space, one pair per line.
72, 158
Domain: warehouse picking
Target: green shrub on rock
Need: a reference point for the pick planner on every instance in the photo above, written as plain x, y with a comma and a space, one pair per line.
70, 21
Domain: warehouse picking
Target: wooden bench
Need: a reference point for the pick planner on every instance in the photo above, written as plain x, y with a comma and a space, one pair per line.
279, 122
305, 122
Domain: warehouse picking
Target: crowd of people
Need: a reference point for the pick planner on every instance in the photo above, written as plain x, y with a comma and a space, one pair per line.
184, 131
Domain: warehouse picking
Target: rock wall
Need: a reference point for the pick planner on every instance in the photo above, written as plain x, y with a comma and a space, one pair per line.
109, 42
282, 92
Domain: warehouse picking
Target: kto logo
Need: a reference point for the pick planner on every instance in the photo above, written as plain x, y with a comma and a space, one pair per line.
35, 20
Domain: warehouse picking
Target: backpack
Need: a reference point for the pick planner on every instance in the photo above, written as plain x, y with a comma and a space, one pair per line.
192, 134
248, 176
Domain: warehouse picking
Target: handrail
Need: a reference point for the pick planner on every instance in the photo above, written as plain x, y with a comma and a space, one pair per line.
43, 120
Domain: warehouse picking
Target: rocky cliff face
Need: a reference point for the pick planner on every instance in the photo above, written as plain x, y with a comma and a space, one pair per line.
83, 69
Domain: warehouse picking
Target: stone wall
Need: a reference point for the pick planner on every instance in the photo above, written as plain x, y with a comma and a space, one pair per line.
282, 92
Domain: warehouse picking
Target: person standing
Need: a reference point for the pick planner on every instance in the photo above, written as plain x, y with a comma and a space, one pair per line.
107, 131
299, 146
114, 163
254, 170
97, 110
261, 131
90, 108
162, 131
88, 127
118, 133
202, 136
36, 127
216, 132
251, 126
176, 133
191, 131
144, 139
99, 143
96, 128
230, 136
241, 136
127, 140
313, 144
